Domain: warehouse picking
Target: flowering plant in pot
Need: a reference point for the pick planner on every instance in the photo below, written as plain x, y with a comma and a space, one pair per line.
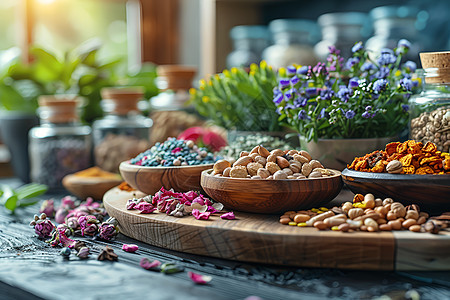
359, 98
238, 99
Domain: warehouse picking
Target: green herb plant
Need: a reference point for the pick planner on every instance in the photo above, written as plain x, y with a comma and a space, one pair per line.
239, 100
20, 197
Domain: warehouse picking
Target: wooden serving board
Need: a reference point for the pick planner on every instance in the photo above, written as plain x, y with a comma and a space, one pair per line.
262, 239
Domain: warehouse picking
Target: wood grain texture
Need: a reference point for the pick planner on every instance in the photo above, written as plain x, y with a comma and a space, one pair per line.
428, 191
150, 179
94, 187
271, 196
254, 238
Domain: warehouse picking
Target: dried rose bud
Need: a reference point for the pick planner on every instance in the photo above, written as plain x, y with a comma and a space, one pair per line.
72, 222
86, 223
61, 214
64, 229
43, 228
83, 252
48, 207
108, 231
107, 254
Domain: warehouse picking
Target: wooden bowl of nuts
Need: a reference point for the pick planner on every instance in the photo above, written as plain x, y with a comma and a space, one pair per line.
149, 180
271, 182
428, 191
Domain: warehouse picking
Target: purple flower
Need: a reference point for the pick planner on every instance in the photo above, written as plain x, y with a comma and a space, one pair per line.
366, 114
284, 83
107, 231
326, 94
300, 102
302, 115
294, 80
367, 66
279, 110
410, 65
44, 228
349, 114
289, 94
302, 71
403, 43
368, 108
320, 68
278, 98
406, 84
386, 58
333, 50
357, 47
405, 107
311, 91
344, 93
322, 114
379, 85
353, 82
382, 73
291, 70
351, 62
88, 225
386, 51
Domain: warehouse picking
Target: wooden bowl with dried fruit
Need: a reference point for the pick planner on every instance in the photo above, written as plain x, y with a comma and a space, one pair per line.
271, 182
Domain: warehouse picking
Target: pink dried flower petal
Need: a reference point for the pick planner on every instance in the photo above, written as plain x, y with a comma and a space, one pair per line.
191, 195
130, 247
198, 200
48, 207
228, 216
147, 264
200, 215
145, 208
199, 279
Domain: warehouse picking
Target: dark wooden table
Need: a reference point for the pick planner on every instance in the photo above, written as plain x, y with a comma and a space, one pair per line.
31, 269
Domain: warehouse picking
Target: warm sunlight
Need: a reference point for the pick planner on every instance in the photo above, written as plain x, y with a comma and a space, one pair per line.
45, 1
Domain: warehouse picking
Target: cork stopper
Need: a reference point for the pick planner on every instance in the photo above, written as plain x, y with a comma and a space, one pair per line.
175, 77
121, 100
437, 66
58, 108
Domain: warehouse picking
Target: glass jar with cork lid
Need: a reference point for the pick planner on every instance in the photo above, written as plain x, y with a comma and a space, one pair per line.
61, 145
123, 132
430, 110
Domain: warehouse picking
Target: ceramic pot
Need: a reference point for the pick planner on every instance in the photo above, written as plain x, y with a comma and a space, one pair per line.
337, 153
14, 127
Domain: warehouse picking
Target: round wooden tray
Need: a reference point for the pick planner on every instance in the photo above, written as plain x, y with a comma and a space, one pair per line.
261, 238
428, 191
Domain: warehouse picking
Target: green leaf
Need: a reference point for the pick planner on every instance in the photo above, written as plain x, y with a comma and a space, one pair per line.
11, 203
31, 190
27, 202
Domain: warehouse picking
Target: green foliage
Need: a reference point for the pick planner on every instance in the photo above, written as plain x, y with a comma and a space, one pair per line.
22, 196
239, 100
79, 71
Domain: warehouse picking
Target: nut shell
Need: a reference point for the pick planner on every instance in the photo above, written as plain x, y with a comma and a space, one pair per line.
220, 166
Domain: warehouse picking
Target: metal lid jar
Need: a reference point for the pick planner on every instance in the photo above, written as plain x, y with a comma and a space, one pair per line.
430, 110
293, 43
61, 145
249, 41
123, 132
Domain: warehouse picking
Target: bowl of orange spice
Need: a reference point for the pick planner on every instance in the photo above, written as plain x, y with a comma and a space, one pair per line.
409, 172
93, 182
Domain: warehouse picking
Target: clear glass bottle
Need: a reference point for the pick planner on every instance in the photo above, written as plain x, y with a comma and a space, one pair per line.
123, 132
342, 30
391, 24
249, 41
293, 43
61, 145
430, 110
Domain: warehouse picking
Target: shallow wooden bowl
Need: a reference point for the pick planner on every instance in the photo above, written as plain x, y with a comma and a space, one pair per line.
271, 196
428, 191
94, 187
149, 180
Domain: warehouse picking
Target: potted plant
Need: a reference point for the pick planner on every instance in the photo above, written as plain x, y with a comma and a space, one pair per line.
239, 101
333, 103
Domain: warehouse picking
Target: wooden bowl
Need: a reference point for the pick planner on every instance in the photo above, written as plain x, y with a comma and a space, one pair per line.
149, 180
428, 191
271, 196
94, 187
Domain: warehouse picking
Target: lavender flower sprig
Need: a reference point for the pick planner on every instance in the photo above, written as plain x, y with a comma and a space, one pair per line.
357, 98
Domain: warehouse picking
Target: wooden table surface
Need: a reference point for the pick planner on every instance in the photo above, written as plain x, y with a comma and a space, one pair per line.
31, 269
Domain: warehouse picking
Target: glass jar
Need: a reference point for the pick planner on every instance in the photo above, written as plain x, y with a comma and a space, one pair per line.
248, 44
341, 30
293, 43
61, 145
430, 110
391, 24
123, 132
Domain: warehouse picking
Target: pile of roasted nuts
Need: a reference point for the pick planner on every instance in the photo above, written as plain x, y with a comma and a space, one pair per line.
366, 214
259, 163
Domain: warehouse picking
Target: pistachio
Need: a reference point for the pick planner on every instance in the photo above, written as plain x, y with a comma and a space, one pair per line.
394, 167
315, 164
279, 175
305, 154
300, 158
263, 173
253, 167
306, 169
238, 172
355, 212
272, 167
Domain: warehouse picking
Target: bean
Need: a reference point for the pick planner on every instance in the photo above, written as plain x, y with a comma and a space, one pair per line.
334, 221
320, 225
395, 224
421, 220
301, 218
319, 217
372, 229
408, 223
344, 227
285, 221
414, 228
385, 227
